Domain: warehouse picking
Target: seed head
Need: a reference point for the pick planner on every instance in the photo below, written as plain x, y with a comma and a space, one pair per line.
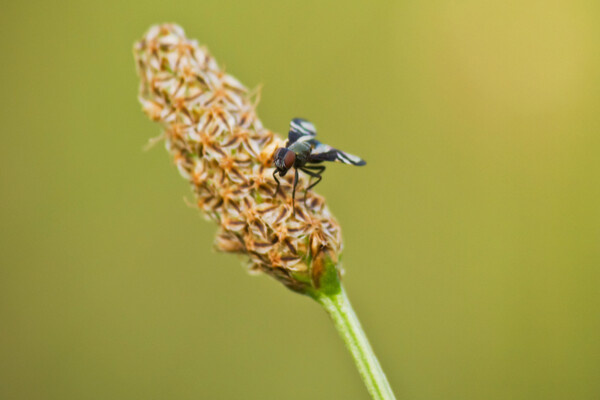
220, 146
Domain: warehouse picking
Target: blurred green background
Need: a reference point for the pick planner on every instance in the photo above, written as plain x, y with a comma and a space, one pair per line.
472, 236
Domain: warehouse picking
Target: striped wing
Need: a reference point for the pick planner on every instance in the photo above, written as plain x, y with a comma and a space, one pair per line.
323, 152
301, 129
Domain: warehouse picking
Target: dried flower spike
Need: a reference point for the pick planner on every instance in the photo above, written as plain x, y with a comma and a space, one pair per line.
220, 146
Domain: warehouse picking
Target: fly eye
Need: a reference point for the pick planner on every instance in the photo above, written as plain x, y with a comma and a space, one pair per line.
289, 159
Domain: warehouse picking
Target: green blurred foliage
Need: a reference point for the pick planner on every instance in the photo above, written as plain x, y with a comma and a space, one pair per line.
472, 236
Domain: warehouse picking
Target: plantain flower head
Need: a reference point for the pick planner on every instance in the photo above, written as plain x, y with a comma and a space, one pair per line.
219, 145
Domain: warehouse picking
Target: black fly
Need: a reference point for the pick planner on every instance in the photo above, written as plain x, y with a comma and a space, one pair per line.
302, 152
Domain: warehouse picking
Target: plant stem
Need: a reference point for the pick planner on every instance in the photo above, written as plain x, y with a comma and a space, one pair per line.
339, 308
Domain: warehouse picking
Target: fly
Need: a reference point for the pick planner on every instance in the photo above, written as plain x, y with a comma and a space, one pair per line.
304, 152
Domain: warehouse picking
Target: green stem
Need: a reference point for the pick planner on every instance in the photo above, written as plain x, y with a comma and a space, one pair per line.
339, 308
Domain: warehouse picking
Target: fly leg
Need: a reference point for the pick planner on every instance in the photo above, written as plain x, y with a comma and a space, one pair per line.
294, 191
276, 180
314, 171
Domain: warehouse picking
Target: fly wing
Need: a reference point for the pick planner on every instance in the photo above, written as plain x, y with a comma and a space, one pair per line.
301, 129
324, 152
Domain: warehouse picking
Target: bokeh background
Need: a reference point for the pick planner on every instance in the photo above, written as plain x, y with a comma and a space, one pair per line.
472, 236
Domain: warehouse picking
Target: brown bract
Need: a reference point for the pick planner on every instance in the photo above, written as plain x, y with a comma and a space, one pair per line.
220, 146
